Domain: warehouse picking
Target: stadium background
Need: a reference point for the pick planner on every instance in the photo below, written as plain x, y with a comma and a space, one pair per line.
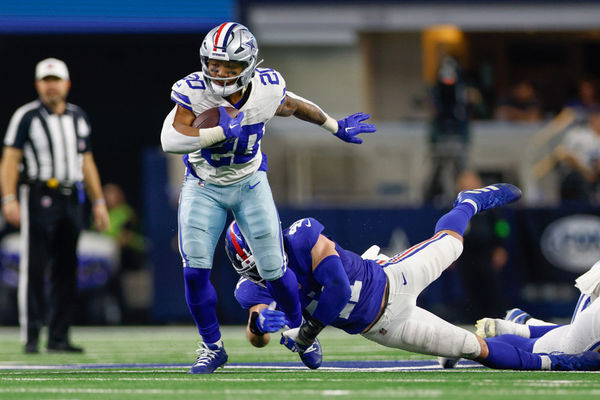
376, 57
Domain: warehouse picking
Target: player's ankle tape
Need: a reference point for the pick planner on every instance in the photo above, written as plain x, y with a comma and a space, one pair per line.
309, 331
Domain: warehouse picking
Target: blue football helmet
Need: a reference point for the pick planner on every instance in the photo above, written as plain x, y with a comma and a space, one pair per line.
240, 255
229, 41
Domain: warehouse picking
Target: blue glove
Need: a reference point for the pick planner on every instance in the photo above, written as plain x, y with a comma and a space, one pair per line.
351, 126
270, 320
232, 127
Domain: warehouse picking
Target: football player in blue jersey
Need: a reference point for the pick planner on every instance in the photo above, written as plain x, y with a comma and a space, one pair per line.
377, 299
226, 170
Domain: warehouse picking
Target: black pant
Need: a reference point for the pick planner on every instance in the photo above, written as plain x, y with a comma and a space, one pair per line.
50, 226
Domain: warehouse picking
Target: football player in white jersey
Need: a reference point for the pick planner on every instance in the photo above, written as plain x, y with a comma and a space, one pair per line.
226, 170
582, 334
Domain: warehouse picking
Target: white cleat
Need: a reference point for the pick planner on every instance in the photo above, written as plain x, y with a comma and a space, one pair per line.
492, 327
485, 327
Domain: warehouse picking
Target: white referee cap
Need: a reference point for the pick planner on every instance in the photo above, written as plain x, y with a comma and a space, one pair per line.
51, 67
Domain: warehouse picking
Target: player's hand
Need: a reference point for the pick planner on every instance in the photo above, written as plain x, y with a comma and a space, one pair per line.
232, 127
351, 126
270, 320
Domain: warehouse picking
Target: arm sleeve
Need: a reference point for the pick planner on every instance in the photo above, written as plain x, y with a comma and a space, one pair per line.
249, 294
336, 289
173, 141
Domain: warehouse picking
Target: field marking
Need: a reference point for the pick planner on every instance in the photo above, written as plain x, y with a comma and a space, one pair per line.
332, 366
363, 393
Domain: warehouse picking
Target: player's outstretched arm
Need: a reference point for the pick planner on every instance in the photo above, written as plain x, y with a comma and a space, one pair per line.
346, 129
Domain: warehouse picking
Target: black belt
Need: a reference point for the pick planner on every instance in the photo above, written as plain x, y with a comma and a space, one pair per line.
386, 298
53, 185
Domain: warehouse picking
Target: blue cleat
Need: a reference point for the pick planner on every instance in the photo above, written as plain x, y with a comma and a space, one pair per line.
210, 357
586, 361
312, 356
517, 316
492, 196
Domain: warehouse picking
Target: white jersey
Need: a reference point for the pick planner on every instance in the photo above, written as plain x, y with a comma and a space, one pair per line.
232, 160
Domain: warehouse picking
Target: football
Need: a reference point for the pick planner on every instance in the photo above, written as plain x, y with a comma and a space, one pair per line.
210, 117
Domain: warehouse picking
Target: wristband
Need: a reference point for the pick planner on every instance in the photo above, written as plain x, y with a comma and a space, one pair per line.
309, 331
330, 124
210, 136
252, 326
100, 201
9, 198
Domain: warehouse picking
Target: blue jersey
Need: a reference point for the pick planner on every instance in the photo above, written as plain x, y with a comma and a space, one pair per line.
367, 279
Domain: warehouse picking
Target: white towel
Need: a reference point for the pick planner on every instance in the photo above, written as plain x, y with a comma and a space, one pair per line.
589, 283
372, 253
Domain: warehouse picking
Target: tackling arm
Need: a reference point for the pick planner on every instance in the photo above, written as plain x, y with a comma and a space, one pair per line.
329, 272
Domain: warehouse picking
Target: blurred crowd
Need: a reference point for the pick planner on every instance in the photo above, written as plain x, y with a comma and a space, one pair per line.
569, 142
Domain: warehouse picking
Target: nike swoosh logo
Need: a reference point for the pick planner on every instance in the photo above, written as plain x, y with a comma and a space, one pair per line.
403, 277
311, 349
233, 126
308, 222
347, 130
253, 186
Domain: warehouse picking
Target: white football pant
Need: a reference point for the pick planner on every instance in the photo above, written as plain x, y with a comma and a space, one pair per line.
405, 326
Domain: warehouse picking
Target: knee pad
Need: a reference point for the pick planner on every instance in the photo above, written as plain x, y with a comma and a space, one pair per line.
270, 266
196, 254
445, 342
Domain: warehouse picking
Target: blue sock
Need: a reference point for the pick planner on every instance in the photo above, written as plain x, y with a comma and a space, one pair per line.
525, 344
539, 331
457, 219
507, 356
285, 292
201, 299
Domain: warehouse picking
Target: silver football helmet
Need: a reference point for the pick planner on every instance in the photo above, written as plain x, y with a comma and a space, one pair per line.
229, 41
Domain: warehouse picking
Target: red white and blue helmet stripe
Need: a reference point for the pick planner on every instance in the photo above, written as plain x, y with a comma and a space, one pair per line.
222, 36
240, 255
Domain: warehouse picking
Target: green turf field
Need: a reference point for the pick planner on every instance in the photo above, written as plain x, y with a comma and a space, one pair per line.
176, 345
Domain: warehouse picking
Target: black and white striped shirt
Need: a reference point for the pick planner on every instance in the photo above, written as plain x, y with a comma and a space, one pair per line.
52, 144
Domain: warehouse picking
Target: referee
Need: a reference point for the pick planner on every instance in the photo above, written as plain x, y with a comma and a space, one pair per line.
47, 154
